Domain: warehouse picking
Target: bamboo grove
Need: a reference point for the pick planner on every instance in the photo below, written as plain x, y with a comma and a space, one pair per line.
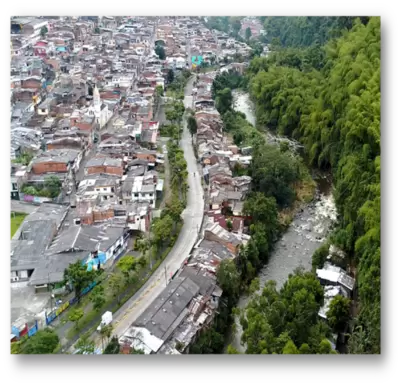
328, 97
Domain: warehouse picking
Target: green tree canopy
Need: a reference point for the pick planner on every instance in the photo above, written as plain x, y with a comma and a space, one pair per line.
224, 100
79, 277
43, 342
160, 52
339, 313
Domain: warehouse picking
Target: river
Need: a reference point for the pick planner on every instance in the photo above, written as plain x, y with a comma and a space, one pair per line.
305, 234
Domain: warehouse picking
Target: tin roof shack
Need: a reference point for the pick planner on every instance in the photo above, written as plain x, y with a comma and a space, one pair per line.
207, 255
25, 140
333, 275
330, 292
104, 165
176, 316
215, 232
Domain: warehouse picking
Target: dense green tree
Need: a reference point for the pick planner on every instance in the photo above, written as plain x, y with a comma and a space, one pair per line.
319, 256
209, 342
232, 350
127, 265
43, 342
170, 76
339, 313
262, 209
160, 52
75, 315
282, 321
228, 278
290, 348
224, 100
53, 184
43, 31
305, 31
85, 345
116, 284
79, 277
247, 33
97, 297
274, 173
161, 228
112, 347
330, 100
192, 125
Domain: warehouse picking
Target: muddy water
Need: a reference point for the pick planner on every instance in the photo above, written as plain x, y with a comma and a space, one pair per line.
296, 246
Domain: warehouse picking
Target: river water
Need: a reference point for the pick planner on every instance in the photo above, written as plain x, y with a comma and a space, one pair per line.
305, 234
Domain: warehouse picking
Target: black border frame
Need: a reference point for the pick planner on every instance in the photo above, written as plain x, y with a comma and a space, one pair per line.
235, 367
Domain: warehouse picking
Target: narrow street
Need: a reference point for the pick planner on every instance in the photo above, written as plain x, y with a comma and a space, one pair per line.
192, 217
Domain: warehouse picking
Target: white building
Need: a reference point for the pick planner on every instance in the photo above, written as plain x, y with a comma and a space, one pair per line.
143, 192
99, 110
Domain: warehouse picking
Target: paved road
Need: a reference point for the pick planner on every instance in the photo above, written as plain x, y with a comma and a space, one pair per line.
192, 217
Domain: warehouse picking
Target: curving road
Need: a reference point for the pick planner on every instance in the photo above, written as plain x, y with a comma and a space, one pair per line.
192, 217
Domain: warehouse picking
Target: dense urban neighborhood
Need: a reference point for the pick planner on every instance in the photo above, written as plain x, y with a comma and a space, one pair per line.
152, 212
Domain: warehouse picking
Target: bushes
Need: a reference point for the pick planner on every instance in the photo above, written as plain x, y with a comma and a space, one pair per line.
319, 256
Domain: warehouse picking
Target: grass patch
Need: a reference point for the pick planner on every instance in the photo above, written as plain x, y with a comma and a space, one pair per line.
16, 220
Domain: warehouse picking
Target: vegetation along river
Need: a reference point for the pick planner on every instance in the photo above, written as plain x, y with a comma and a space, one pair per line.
306, 233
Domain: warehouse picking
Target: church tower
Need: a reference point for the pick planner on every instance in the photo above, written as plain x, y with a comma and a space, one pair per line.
96, 102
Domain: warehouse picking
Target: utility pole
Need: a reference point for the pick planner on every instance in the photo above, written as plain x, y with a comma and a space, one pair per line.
165, 272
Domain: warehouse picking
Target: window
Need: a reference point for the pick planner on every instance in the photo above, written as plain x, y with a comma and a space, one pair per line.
136, 195
14, 186
104, 188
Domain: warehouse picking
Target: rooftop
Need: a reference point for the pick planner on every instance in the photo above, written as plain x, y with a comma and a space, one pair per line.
166, 312
104, 161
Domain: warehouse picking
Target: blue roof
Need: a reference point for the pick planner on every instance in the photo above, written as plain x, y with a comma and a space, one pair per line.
101, 257
197, 60
62, 49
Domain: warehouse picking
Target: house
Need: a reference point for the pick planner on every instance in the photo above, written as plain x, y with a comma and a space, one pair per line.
31, 240
104, 165
207, 255
96, 246
174, 319
148, 155
98, 186
18, 179
139, 189
334, 275
57, 161
215, 232
330, 292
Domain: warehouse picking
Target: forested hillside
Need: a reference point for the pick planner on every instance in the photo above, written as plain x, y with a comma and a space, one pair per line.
329, 98
305, 31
